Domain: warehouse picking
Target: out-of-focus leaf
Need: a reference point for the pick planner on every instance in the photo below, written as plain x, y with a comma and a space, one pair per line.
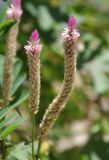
21, 152
45, 20
99, 68
3, 11
43, 16
11, 128
57, 45
7, 120
31, 9
5, 26
17, 78
6, 110
93, 44
94, 156
18, 82
84, 157
24, 95
97, 148
17, 68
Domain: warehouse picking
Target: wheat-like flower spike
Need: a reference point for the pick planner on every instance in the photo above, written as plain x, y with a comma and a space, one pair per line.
9, 61
14, 13
33, 50
70, 37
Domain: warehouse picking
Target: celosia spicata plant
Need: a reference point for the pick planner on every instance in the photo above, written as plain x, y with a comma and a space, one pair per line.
33, 49
70, 37
13, 13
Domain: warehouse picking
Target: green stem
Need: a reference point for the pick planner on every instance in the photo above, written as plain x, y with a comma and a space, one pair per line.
38, 151
3, 149
33, 136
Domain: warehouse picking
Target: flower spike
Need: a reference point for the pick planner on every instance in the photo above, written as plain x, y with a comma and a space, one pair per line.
33, 50
15, 11
70, 37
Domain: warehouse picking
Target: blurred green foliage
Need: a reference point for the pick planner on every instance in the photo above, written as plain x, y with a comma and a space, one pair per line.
82, 130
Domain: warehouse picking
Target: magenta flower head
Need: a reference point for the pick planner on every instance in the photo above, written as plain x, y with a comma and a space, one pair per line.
34, 46
71, 33
34, 36
72, 22
15, 11
17, 3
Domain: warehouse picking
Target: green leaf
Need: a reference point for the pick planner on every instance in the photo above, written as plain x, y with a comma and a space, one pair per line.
11, 128
6, 110
6, 120
3, 11
17, 68
17, 79
94, 156
24, 95
99, 69
44, 15
31, 9
18, 82
21, 152
5, 26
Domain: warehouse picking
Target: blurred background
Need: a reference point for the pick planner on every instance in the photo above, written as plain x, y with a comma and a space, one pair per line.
82, 130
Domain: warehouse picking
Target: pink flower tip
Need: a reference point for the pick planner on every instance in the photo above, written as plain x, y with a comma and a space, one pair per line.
33, 46
71, 32
16, 3
72, 22
15, 11
34, 36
